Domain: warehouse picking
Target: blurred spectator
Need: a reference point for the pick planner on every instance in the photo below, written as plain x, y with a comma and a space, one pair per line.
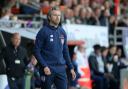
74, 3
89, 16
84, 3
114, 76
100, 1
112, 24
82, 15
68, 3
122, 63
97, 14
15, 58
76, 9
124, 6
94, 4
104, 53
83, 67
6, 13
106, 5
111, 53
119, 52
73, 83
112, 67
123, 22
97, 67
81, 56
97, 11
104, 18
58, 2
53, 3
45, 3
68, 19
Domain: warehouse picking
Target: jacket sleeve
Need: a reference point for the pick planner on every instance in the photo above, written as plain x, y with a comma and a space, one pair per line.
38, 46
66, 53
26, 59
3, 53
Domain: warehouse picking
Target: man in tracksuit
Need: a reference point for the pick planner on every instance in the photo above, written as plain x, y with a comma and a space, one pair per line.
51, 51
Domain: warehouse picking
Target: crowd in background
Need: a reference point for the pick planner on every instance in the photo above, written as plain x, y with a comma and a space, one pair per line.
90, 12
86, 12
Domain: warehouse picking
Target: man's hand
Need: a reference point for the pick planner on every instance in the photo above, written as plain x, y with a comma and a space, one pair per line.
33, 60
47, 71
73, 74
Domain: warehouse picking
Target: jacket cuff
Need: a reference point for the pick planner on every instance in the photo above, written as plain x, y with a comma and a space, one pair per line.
70, 67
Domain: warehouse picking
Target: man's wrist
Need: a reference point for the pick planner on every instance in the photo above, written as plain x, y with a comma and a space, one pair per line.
71, 67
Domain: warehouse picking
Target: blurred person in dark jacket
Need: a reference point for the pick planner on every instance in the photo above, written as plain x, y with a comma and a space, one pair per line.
97, 67
15, 58
112, 67
112, 24
122, 62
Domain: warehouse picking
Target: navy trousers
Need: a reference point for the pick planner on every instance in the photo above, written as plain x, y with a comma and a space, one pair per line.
58, 77
16, 83
100, 82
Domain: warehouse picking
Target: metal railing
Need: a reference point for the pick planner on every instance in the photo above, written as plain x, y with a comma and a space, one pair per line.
20, 24
117, 37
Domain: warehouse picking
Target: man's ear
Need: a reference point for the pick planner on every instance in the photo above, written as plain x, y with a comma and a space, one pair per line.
48, 17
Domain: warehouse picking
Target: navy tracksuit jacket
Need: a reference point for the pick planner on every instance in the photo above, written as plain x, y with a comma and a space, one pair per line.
51, 50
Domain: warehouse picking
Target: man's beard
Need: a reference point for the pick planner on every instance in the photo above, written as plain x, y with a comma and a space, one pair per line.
55, 22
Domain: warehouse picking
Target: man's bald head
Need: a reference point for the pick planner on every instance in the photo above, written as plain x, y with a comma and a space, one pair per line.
16, 39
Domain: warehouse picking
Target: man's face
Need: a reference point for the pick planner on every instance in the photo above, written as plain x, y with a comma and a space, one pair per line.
105, 52
98, 52
55, 17
119, 52
16, 39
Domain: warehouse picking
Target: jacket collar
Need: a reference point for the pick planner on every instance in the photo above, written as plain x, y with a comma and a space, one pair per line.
46, 23
14, 47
